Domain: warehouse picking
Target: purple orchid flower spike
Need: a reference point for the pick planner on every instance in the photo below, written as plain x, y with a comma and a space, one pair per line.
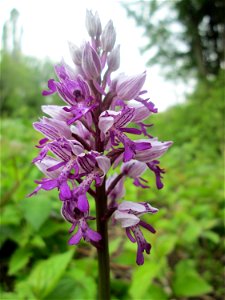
128, 214
89, 135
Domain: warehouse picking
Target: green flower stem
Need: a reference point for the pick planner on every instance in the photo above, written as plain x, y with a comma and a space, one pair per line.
103, 250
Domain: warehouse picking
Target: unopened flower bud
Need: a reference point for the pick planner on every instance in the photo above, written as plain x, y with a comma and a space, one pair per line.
91, 64
108, 37
76, 54
93, 24
98, 25
113, 60
90, 23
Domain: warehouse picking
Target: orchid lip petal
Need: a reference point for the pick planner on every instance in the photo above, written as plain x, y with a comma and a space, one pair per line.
75, 239
82, 203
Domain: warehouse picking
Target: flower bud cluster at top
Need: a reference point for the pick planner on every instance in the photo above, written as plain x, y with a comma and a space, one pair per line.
90, 134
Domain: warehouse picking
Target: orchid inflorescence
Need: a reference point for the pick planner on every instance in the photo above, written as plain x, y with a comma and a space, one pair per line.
90, 135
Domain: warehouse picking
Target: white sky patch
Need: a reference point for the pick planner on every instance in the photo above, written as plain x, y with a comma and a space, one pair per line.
48, 25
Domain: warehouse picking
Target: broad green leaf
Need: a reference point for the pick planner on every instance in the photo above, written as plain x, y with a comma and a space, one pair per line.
24, 291
143, 276
51, 228
70, 289
38, 242
76, 284
212, 236
164, 245
187, 282
10, 215
8, 296
156, 292
192, 232
88, 264
36, 210
46, 274
22, 235
18, 260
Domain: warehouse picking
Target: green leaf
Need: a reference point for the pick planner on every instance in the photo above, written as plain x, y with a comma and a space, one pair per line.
65, 289
36, 210
52, 227
76, 284
212, 236
143, 276
164, 245
18, 260
187, 282
8, 296
10, 215
192, 232
156, 293
38, 242
24, 291
47, 273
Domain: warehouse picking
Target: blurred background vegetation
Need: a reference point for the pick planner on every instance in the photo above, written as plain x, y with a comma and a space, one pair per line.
188, 250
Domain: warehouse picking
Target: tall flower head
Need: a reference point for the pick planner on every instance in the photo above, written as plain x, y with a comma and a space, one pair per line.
91, 133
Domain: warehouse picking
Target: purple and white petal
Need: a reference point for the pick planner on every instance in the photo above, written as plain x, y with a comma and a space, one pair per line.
125, 219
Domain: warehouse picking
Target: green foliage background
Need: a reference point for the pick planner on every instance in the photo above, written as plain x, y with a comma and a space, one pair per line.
187, 256
187, 251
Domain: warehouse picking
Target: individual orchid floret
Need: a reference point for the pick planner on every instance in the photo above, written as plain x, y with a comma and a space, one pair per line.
156, 151
53, 129
113, 124
150, 157
141, 112
94, 163
79, 131
76, 54
113, 60
91, 63
56, 112
77, 94
67, 153
108, 37
47, 164
128, 214
94, 167
129, 87
64, 71
72, 214
134, 169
